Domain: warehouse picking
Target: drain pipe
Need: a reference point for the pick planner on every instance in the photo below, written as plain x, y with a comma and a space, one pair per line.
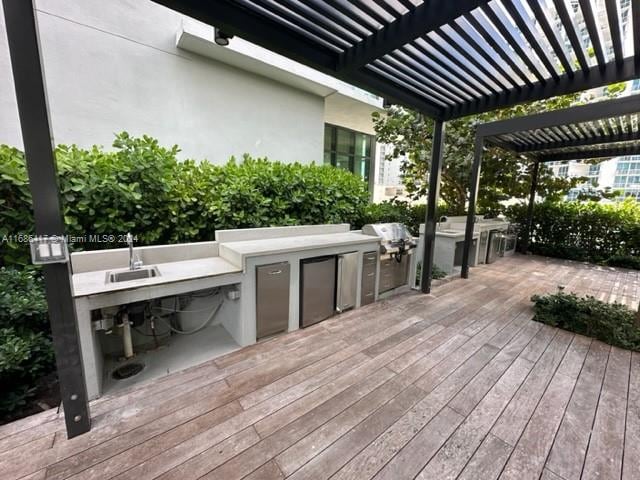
126, 335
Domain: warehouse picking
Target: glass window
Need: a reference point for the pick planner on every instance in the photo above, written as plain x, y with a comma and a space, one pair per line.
345, 141
344, 148
563, 171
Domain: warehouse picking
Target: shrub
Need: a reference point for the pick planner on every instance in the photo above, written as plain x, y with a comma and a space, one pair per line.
625, 261
585, 231
436, 272
395, 211
25, 347
22, 301
612, 323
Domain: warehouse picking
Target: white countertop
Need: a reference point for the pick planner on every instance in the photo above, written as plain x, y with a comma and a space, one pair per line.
454, 234
231, 260
94, 283
482, 226
254, 248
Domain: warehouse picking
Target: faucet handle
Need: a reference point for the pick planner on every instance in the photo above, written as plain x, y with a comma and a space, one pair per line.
138, 264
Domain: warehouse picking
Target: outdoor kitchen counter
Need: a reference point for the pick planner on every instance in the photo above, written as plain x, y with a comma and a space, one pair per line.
238, 252
94, 283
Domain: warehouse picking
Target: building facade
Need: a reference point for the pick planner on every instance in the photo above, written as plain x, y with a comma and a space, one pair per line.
137, 66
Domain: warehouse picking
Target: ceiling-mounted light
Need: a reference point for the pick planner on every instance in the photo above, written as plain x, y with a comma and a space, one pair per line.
221, 38
385, 103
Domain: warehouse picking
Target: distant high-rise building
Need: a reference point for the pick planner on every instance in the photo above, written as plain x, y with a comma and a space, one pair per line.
621, 173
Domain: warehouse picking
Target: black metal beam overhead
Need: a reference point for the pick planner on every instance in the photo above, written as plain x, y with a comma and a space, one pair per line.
423, 19
578, 114
596, 76
614, 27
592, 28
498, 44
570, 28
579, 142
516, 43
576, 133
613, 151
552, 35
529, 33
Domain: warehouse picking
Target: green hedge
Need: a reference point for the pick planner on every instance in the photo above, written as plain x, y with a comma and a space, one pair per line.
585, 231
612, 323
395, 211
25, 345
141, 187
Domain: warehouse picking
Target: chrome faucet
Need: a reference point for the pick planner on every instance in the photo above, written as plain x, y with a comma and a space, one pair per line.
440, 220
133, 263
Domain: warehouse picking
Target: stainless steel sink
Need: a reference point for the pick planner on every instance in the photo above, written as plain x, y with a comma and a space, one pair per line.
450, 231
128, 275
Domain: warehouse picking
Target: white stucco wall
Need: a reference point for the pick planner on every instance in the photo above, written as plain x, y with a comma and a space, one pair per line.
113, 66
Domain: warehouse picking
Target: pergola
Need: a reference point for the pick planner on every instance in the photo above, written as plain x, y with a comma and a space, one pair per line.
602, 129
443, 58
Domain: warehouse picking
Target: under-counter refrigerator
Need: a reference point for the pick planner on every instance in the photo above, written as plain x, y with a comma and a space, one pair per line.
272, 299
347, 281
317, 289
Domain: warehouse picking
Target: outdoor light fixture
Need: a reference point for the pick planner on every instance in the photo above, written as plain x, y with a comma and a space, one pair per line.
221, 38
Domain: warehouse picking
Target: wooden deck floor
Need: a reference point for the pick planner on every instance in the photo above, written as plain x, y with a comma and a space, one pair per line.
458, 384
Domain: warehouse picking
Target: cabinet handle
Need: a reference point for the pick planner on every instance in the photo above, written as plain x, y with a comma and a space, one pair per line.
275, 272
371, 274
369, 294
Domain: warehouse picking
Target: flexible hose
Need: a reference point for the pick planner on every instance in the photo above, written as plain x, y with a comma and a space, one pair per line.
197, 329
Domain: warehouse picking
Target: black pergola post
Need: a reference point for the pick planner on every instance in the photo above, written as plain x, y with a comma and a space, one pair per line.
432, 205
24, 51
528, 228
473, 197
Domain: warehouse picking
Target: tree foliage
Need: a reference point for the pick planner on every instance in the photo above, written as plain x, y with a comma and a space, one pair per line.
504, 174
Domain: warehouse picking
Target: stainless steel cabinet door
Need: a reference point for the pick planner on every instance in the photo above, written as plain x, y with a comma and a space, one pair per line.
272, 299
370, 262
347, 281
317, 290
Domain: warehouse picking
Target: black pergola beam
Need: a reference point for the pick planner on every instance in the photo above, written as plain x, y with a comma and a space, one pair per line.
614, 28
592, 28
580, 142
24, 50
587, 154
552, 35
578, 114
597, 76
405, 29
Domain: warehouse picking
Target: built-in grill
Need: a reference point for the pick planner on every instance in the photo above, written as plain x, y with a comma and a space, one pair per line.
396, 248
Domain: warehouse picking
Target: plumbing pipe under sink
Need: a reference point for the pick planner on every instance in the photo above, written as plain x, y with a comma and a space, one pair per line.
126, 336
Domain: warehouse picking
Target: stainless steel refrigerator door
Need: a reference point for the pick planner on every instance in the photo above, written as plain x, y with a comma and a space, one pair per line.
493, 252
272, 299
317, 290
347, 281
